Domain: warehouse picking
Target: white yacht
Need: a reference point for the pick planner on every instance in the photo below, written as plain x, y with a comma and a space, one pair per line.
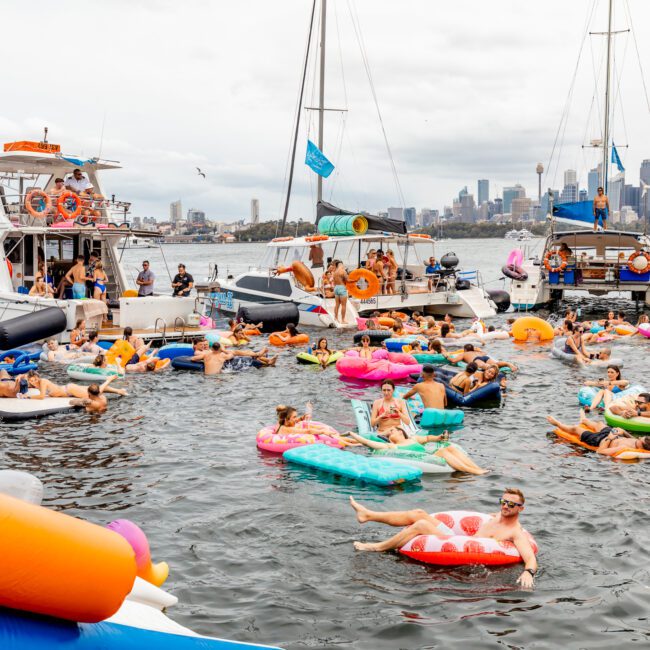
452, 291
34, 232
137, 242
511, 234
524, 235
599, 263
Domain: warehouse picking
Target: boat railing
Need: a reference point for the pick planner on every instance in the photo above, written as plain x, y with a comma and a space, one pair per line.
160, 319
470, 276
95, 209
181, 320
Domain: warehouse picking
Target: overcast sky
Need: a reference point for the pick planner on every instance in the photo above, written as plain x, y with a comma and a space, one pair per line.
467, 89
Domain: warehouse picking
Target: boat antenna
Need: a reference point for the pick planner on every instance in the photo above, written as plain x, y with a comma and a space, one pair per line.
45, 135
607, 98
296, 131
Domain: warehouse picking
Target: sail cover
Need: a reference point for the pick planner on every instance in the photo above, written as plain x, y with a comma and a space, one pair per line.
577, 214
381, 224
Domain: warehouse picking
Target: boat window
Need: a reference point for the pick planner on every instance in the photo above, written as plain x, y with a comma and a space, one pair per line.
278, 286
268, 259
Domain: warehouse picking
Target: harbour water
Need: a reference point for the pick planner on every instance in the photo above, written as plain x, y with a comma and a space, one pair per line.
262, 551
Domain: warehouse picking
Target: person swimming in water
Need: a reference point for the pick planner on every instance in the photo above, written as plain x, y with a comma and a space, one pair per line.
613, 384
431, 392
322, 352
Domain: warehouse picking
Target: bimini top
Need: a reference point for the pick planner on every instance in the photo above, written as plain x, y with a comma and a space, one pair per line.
26, 157
599, 240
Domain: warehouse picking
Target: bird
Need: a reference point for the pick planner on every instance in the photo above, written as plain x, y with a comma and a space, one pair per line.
200, 173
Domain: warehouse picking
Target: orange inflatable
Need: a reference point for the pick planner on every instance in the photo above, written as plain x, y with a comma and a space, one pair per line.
362, 274
301, 273
57, 565
45, 198
62, 206
299, 339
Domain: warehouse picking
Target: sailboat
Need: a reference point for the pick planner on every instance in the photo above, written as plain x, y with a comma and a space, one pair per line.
412, 289
595, 261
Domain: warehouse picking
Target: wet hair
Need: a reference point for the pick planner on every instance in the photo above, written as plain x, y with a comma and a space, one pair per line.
490, 328
128, 331
471, 368
98, 361
444, 330
621, 314
150, 365
428, 370
468, 347
516, 491
616, 369
435, 345
569, 325
93, 335
216, 346
93, 389
388, 382
510, 321
491, 367
416, 345
646, 397
292, 329
284, 413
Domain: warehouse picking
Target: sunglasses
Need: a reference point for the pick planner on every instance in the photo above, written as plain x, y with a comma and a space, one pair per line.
510, 504
639, 403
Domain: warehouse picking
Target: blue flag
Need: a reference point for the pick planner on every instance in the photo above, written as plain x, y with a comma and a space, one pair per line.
616, 159
316, 160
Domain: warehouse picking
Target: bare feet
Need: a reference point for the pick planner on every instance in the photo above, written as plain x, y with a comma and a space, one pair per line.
363, 546
553, 421
272, 360
362, 517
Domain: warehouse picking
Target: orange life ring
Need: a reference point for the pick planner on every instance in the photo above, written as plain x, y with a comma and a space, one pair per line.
362, 274
419, 235
398, 314
555, 255
63, 208
386, 321
282, 239
39, 214
303, 275
634, 269
317, 238
10, 266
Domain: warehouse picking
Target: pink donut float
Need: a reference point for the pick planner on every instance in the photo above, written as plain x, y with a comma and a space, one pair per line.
356, 368
463, 547
156, 574
515, 258
269, 440
644, 330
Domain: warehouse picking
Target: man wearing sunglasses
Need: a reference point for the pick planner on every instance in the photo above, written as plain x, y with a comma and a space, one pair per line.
503, 526
632, 407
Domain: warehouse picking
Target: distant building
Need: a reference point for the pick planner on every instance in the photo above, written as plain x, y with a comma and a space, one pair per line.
509, 193
497, 207
545, 207
583, 195
616, 192
255, 212
483, 211
483, 194
570, 177
593, 182
195, 216
631, 197
175, 212
409, 217
522, 208
428, 217
467, 208
396, 213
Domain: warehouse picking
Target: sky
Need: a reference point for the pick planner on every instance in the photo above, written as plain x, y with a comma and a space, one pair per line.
467, 89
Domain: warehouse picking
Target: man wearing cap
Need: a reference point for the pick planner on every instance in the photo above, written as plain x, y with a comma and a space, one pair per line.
78, 183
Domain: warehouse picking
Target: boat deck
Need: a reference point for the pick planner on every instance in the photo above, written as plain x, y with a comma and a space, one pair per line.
187, 333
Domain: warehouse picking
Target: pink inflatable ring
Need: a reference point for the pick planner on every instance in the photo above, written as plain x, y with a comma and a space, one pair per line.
463, 547
269, 440
376, 370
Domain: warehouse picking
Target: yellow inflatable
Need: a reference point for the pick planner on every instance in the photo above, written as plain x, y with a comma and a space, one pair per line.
122, 349
521, 325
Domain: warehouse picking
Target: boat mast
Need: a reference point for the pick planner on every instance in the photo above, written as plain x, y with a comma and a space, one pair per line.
321, 93
604, 178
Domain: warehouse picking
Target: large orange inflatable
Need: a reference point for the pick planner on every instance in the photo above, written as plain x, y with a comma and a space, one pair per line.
57, 565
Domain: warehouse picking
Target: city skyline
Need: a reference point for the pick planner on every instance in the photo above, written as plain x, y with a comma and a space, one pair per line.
454, 110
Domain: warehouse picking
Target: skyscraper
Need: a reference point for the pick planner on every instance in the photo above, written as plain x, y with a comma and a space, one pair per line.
483, 190
175, 211
571, 189
509, 193
195, 216
616, 192
644, 199
409, 217
570, 177
396, 213
593, 181
255, 212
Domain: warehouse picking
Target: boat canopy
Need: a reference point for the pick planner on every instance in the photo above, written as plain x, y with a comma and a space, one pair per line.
577, 214
599, 241
378, 224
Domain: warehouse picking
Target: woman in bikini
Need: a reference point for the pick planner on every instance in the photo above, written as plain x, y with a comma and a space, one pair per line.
48, 388
388, 411
463, 382
392, 271
99, 280
78, 335
322, 352
612, 384
288, 420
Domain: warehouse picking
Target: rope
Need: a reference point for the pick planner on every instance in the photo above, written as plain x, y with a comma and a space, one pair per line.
638, 56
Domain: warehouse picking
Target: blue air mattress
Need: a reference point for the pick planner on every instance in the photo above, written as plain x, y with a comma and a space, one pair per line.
430, 418
375, 471
173, 350
396, 344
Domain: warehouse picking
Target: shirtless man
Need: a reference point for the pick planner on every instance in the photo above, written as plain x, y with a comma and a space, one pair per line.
340, 291
56, 353
608, 440
95, 402
637, 406
213, 359
76, 277
601, 208
503, 527
431, 391
469, 353
12, 386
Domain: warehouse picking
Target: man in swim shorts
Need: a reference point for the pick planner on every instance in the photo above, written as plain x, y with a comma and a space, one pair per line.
77, 277
470, 353
608, 440
431, 392
340, 291
601, 208
503, 526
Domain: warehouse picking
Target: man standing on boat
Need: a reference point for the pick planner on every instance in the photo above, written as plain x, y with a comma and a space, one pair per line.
145, 280
340, 290
601, 209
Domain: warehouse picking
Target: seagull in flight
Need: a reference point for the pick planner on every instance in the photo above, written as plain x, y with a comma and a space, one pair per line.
200, 173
